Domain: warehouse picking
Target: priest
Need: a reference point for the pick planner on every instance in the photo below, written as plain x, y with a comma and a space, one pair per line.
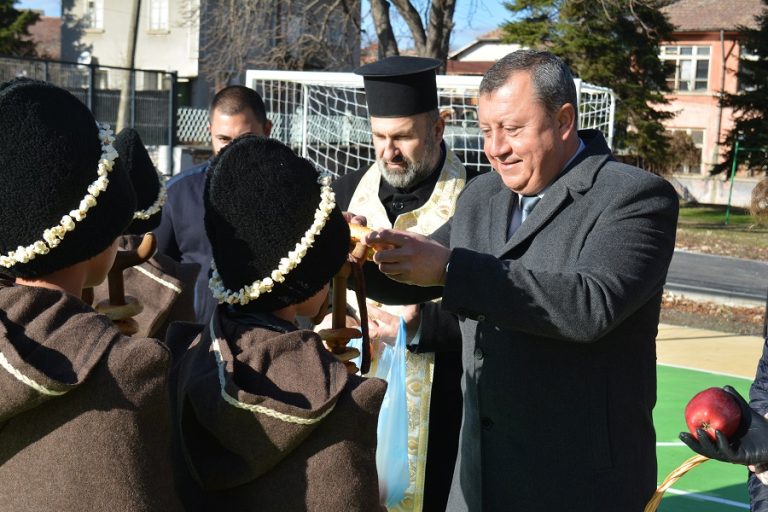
413, 185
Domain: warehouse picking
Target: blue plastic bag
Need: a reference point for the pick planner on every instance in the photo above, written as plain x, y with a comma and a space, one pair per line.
392, 430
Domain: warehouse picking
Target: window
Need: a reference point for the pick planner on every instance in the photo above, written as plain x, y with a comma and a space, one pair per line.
691, 70
687, 146
94, 14
101, 79
747, 79
158, 15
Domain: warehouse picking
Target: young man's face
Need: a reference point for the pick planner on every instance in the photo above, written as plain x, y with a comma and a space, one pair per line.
525, 144
407, 148
224, 127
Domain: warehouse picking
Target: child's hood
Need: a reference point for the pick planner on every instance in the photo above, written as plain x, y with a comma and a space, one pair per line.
49, 343
247, 399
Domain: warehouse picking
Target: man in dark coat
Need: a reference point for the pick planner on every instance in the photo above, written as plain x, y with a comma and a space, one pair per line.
84, 414
267, 419
559, 304
413, 185
235, 111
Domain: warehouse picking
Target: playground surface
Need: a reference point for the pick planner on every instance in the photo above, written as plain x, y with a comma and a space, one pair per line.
690, 360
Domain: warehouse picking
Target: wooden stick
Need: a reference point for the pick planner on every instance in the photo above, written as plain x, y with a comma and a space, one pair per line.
119, 308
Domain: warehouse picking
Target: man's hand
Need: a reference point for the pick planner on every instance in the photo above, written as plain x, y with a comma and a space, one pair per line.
383, 326
749, 446
351, 218
414, 259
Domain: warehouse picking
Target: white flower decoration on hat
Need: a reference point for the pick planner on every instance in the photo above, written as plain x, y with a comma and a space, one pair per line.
262, 286
162, 195
52, 237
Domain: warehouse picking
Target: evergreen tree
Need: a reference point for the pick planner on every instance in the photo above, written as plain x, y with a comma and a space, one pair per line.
14, 25
750, 107
614, 43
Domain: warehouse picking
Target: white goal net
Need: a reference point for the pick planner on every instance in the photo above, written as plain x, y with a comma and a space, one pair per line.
324, 118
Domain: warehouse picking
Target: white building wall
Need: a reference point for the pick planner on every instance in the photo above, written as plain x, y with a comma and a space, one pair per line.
173, 49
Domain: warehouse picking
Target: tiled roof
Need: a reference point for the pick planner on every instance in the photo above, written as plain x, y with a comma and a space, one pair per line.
459, 67
493, 34
46, 34
712, 15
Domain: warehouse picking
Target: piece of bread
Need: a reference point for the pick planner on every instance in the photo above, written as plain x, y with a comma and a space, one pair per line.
358, 232
356, 235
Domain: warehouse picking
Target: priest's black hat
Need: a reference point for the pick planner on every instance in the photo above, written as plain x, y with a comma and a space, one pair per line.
260, 201
149, 188
52, 173
400, 86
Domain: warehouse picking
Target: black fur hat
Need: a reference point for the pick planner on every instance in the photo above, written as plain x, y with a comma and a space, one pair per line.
150, 191
49, 155
260, 200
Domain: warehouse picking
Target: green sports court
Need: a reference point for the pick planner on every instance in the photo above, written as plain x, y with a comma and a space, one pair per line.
691, 360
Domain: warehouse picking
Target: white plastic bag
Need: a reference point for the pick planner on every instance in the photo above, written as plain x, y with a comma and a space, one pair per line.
392, 430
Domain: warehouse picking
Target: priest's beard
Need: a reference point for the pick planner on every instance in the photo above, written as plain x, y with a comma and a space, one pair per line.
415, 170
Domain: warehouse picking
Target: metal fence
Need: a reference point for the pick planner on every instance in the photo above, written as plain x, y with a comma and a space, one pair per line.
150, 96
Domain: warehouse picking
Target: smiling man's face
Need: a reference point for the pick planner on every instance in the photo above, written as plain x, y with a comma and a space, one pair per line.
524, 142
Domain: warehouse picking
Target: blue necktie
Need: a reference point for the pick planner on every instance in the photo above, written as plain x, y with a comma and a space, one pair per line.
527, 203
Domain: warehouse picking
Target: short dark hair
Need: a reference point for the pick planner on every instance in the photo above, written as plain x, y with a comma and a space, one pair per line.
237, 98
552, 80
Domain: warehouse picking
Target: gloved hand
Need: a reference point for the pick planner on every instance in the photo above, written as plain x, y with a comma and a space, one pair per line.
749, 445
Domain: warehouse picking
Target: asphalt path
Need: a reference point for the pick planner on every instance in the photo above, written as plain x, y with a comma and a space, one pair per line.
718, 277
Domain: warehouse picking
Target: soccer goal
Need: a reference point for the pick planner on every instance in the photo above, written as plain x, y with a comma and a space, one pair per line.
323, 116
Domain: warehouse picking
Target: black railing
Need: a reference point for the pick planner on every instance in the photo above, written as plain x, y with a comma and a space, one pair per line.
151, 101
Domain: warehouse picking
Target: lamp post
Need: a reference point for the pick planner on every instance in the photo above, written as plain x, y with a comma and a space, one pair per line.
733, 172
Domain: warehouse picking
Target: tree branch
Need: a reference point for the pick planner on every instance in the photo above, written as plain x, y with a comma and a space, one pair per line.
383, 26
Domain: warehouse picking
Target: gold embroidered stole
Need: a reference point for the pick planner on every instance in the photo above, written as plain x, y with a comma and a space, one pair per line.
419, 368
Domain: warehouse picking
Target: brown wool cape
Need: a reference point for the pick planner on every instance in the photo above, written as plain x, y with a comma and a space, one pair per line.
83, 409
164, 287
255, 456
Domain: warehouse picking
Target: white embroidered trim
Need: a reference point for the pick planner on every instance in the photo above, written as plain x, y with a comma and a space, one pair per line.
157, 205
26, 380
52, 237
256, 408
159, 280
254, 290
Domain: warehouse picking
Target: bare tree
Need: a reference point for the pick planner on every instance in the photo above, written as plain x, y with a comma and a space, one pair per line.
431, 33
276, 34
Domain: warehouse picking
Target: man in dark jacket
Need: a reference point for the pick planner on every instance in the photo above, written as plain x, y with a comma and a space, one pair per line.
559, 304
235, 111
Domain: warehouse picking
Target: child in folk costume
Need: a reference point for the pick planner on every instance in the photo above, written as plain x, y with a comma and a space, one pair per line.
83, 409
163, 286
265, 417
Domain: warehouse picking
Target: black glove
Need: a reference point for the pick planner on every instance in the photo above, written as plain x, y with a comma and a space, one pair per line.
749, 445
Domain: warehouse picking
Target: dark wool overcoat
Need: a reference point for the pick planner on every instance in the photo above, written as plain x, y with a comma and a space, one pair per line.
84, 415
266, 419
559, 324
